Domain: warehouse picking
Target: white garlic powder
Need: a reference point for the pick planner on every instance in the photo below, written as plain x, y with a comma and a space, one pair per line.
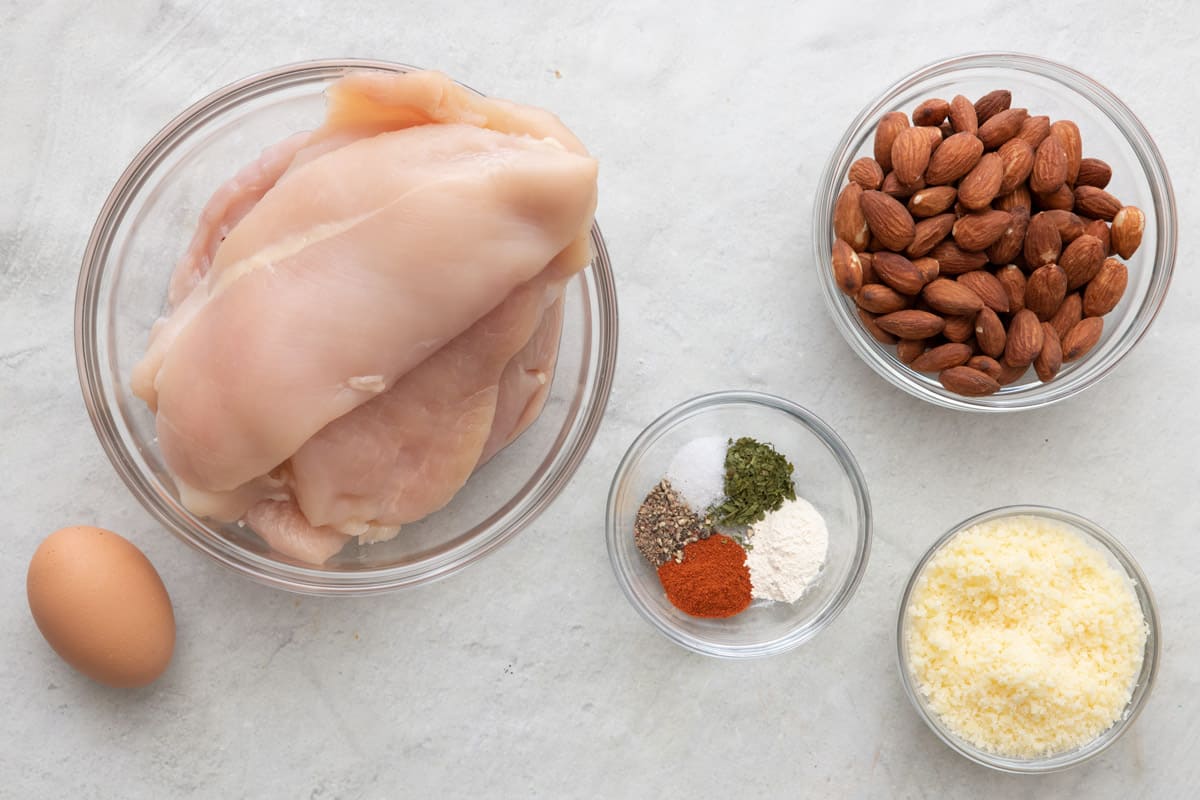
787, 550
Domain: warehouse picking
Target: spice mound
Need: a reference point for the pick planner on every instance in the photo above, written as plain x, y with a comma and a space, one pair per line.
787, 550
1023, 638
665, 525
712, 580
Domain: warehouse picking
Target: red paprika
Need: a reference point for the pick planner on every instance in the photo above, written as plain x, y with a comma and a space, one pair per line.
711, 581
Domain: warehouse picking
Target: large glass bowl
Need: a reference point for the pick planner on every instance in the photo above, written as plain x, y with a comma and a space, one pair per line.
1123, 562
1109, 131
826, 475
145, 226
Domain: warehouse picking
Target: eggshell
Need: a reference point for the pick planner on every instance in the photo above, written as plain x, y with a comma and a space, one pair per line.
102, 606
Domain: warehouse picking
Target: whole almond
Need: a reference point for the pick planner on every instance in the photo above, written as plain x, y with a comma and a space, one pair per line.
1024, 338
1081, 260
1082, 337
847, 269
1067, 132
936, 359
992, 104
1061, 198
1034, 130
928, 233
901, 191
1127, 228
867, 173
1049, 166
1017, 156
878, 333
1093, 202
1013, 280
931, 112
909, 350
1069, 313
978, 231
1049, 360
898, 272
910, 155
1093, 172
989, 289
957, 156
1010, 374
962, 115
985, 364
886, 131
1104, 291
911, 324
980, 186
1045, 291
1017, 198
880, 299
888, 220
1008, 246
849, 221
1099, 229
953, 260
989, 333
934, 134
1001, 127
868, 268
927, 268
950, 297
1043, 244
1070, 225
969, 382
931, 201
959, 329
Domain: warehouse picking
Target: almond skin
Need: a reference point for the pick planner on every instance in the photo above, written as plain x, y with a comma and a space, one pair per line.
969, 382
1024, 338
868, 267
1067, 132
936, 359
847, 269
931, 112
1093, 202
894, 188
992, 104
978, 231
912, 324
987, 365
989, 289
962, 115
929, 232
898, 272
1081, 260
989, 333
886, 131
981, 185
1099, 228
1013, 280
1049, 360
1043, 244
959, 329
928, 268
880, 299
1001, 127
1017, 156
1034, 130
1068, 314
878, 333
888, 220
1127, 228
1008, 246
931, 201
1010, 374
1045, 291
1082, 337
953, 260
950, 297
1093, 172
1062, 199
867, 173
957, 156
849, 221
909, 350
910, 155
1017, 198
1104, 291
1049, 166
1070, 226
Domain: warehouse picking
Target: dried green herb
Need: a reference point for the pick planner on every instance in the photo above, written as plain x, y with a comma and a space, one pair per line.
757, 480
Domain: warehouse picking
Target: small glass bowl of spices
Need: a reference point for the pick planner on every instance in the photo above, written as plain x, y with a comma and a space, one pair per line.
1028, 639
738, 524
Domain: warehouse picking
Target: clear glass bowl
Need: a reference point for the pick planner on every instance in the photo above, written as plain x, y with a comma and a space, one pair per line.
1109, 130
145, 226
825, 474
1121, 560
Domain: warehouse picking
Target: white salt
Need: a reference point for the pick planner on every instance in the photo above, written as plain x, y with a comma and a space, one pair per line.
697, 472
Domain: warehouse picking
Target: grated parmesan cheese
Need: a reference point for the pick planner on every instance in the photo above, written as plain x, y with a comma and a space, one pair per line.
1023, 638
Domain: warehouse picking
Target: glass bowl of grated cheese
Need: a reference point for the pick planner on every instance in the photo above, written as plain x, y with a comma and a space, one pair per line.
825, 475
1028, 639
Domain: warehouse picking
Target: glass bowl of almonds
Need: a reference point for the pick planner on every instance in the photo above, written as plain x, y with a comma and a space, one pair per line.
995, 232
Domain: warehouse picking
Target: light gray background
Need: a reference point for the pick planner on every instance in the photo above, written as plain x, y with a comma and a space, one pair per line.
529, 674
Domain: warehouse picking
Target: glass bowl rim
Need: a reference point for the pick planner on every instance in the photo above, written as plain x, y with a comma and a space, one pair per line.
600, 295
814, 425
1152, 656
1153, 173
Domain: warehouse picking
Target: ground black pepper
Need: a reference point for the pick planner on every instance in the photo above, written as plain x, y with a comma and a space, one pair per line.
665, 525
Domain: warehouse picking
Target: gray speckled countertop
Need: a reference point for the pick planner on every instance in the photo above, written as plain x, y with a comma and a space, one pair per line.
528, 674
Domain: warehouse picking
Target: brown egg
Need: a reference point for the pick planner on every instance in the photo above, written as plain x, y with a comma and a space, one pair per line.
101, 605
